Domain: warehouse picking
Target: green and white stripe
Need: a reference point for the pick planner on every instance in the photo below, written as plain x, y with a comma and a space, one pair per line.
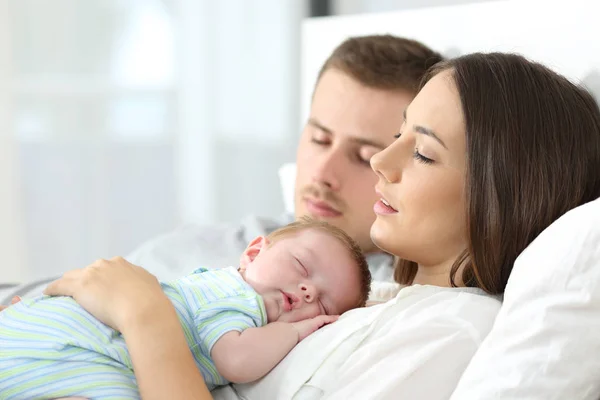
50, 347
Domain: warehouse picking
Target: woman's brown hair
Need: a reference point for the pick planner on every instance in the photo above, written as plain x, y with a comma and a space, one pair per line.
533, 153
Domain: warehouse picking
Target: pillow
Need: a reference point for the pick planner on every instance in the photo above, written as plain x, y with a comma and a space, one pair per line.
287, 179
545, 342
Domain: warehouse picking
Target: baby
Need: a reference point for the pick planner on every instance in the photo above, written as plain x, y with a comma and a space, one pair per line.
239, 323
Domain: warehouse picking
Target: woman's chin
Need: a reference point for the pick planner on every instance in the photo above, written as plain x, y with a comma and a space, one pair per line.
382, 236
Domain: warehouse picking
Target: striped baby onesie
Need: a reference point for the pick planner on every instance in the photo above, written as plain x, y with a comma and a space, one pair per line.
50, 347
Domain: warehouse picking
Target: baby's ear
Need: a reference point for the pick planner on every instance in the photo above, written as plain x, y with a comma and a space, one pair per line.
252, 251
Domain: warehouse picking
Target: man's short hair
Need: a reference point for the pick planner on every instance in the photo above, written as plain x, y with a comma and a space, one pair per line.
383, 61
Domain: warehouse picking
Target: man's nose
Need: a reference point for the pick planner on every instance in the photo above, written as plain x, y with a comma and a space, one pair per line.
327, 169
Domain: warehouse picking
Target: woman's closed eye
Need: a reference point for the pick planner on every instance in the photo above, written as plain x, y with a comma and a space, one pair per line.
421, 158
416, 155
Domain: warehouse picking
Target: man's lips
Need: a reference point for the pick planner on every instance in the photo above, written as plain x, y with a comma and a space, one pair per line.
321, 208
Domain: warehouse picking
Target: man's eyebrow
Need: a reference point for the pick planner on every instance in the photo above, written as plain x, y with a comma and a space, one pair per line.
317, 124
426, 131
356, 139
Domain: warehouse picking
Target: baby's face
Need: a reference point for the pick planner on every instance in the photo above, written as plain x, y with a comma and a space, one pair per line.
304, 275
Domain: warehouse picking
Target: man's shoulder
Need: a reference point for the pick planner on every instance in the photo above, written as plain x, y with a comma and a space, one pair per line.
190, 246
176, 253
243, 231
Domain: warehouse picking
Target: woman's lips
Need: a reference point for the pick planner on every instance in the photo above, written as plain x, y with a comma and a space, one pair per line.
320, 208
382, 207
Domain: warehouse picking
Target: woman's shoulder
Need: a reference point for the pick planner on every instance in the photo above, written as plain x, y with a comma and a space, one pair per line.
459, 298
466, 309
421, 303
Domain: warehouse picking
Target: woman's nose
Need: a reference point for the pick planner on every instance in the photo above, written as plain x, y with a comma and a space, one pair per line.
386, 166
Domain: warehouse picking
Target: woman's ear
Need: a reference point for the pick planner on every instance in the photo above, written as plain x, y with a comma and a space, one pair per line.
252, 251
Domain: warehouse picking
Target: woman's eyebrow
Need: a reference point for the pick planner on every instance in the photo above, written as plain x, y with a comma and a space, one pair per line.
426, 131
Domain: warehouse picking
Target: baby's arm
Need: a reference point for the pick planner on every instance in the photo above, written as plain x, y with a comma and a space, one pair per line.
249, 355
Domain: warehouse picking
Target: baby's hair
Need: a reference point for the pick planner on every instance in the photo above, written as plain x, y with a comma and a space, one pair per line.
305, 223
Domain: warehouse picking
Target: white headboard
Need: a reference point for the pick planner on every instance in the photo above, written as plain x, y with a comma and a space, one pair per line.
564, 35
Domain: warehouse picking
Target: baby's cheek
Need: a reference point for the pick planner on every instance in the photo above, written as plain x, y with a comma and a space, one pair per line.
308, 313
316, 311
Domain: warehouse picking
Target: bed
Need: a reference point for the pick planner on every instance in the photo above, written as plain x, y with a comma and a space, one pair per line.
538, 30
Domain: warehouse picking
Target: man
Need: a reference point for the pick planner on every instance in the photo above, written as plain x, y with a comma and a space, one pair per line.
356, 110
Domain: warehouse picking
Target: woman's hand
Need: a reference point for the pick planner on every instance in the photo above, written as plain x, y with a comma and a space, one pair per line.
114, 291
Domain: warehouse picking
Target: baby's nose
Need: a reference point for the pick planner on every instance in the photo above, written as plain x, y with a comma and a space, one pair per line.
308, 292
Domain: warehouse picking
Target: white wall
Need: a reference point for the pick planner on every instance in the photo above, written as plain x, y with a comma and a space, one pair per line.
11, 234
562, 35
346, 7
122, 119
240, 115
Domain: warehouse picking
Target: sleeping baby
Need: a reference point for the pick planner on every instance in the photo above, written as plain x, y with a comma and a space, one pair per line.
238, 322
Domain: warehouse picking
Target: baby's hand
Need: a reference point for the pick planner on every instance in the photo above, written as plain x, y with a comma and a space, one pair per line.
308, 326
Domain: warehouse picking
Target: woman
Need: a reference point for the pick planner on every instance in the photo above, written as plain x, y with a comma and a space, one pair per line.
493, 149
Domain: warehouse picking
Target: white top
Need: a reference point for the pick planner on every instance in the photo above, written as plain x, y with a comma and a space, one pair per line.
416, 346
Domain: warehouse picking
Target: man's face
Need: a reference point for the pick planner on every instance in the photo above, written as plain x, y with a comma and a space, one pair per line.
348, 124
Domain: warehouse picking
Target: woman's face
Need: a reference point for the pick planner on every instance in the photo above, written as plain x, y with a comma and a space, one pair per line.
422, 180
